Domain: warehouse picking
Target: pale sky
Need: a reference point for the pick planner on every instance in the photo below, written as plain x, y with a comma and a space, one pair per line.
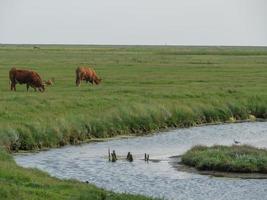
144, 22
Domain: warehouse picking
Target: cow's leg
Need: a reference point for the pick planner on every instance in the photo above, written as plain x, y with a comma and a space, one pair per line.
78, 80
81, 78
27, 85
14, 86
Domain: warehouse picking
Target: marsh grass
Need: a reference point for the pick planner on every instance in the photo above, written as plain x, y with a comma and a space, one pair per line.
236, 158
144, 89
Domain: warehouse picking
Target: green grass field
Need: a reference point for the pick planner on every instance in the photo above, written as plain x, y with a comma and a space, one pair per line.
235, 158
144, 89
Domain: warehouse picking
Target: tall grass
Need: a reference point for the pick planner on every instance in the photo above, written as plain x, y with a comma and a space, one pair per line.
227, 158
144, 89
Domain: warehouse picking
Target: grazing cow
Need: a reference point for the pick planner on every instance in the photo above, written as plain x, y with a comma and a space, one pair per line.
30, 78
86, 74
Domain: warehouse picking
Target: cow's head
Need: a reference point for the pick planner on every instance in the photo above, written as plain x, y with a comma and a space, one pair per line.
97, 80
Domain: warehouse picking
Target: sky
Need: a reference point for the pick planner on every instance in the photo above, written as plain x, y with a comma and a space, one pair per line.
134, 22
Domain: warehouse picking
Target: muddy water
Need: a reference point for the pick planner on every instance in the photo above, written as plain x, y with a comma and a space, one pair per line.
160, 179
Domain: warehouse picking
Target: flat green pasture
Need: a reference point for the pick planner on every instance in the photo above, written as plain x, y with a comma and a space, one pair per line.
144, 89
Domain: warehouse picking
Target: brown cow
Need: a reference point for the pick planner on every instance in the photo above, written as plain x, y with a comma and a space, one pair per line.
86, 74
22, 76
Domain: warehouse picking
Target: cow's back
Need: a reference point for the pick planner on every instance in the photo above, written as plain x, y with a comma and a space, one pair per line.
88, 72
82, 70
23, 76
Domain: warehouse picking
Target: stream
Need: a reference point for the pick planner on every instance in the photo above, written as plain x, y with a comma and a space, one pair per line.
157, 178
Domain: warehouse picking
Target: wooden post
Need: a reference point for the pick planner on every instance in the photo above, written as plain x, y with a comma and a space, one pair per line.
114, 157
109, 154
129, 157
146, 157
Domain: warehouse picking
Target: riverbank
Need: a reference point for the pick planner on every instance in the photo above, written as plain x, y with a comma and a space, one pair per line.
20, 183
236, 158
237, 175
129, 136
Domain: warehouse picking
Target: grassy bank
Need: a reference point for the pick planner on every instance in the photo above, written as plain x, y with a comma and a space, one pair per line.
20, 183
227, 158
144, 89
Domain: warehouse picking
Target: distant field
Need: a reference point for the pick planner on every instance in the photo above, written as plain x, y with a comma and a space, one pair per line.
144, 89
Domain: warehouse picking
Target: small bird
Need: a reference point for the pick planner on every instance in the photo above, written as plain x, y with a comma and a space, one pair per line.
236, 142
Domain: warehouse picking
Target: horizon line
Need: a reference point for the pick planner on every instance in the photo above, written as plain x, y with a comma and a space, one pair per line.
162, 45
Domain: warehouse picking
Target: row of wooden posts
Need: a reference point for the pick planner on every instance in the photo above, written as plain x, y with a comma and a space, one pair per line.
112, 157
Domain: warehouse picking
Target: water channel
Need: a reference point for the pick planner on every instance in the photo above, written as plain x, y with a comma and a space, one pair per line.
158, 178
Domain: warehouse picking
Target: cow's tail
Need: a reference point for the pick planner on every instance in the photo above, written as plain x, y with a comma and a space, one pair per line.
12, 75
12, 78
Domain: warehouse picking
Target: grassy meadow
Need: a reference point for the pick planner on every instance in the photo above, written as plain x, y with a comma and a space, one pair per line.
234, 158
144, 89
